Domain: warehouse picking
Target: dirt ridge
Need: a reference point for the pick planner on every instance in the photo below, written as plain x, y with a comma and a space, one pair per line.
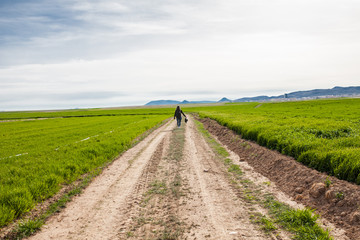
296, 180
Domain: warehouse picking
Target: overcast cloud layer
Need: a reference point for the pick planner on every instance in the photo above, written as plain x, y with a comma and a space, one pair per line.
67, 53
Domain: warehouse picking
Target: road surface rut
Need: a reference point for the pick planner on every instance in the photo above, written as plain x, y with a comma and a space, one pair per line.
169, 186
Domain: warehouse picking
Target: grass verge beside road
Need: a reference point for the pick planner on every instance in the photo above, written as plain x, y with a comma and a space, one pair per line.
301, 223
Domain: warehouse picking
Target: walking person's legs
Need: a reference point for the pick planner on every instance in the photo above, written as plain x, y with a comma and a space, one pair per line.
178, 122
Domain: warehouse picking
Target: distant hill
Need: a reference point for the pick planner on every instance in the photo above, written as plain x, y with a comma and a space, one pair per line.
224, 99
174, 102
310, 94
336, 91
162, 102
253, 99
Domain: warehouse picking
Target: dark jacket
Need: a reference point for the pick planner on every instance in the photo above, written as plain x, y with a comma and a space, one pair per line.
178, 113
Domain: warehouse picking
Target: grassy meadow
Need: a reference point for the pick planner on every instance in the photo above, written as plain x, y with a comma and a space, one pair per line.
83, 113
323, 134
37, 157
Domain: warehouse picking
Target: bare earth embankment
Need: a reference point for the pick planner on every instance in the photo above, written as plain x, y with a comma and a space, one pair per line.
172, 185
339, 202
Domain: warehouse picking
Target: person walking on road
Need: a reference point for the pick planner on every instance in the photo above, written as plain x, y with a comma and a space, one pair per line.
177, 115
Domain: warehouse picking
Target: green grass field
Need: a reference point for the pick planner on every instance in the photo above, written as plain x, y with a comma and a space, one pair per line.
37, 157
323, 134
83, 113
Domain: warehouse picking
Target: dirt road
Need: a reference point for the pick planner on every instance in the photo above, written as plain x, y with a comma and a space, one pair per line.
169, 186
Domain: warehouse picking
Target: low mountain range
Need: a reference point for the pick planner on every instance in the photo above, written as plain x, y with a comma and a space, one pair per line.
174, 102
310, 94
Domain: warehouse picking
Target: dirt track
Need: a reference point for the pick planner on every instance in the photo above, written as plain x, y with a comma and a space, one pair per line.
169, 186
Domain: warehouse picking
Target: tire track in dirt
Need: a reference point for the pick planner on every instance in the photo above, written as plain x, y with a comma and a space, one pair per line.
155, 215
214, 210
189, 203
99, 209
133, 214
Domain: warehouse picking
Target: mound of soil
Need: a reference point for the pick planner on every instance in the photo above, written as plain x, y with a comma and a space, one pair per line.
336, 200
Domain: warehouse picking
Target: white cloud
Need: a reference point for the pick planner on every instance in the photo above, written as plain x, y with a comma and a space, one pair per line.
99, 7
137, 51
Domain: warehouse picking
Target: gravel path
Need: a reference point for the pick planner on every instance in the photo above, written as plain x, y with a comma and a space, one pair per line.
169, 186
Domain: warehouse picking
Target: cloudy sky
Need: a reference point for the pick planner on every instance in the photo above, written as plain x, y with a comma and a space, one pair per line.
84, 53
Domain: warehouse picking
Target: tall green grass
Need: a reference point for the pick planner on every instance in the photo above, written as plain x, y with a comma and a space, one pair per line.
37, 157
323, 134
